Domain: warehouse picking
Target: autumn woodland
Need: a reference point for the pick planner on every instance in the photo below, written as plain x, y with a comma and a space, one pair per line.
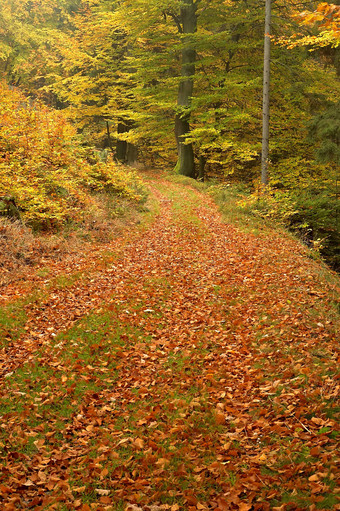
169, 255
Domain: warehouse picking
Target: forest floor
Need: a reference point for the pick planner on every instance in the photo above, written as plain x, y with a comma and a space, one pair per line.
189, 365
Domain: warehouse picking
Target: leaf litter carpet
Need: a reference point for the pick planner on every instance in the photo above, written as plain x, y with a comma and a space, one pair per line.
197, 369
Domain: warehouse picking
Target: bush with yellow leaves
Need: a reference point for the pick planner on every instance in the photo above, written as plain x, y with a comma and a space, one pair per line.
44, 168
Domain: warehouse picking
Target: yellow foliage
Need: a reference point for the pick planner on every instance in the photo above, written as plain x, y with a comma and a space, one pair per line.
271, 204
44, 167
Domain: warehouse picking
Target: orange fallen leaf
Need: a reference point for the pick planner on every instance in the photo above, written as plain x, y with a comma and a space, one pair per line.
138, 443
220, 418
105, 500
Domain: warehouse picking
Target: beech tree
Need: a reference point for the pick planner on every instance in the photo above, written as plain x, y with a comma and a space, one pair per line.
179, 19
188, 59
187, 26
28, 32
174, 74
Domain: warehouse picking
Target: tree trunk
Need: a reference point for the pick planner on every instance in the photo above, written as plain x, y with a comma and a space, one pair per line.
188, 18
109, 139
266, 96
121, 146
9, 208
131, 154
125, 152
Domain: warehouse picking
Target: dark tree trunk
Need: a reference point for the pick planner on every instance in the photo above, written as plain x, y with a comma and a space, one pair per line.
188, 19
9, 208
109, 139
125, 152
131, 154
121, 147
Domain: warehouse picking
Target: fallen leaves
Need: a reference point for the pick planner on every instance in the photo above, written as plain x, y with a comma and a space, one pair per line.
138, 443
191, 377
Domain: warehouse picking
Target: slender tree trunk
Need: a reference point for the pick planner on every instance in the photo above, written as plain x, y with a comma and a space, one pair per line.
188, 17
121, 146
109, 139
125, 152
266, 96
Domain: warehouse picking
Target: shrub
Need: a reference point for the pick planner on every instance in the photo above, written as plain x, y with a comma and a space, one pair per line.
272, 204
311, 212
46, 170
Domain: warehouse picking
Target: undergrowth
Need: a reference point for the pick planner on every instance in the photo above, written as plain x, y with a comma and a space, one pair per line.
311, 215
21, 249
46, 176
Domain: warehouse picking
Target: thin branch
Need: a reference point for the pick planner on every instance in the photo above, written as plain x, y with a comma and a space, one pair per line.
305, 427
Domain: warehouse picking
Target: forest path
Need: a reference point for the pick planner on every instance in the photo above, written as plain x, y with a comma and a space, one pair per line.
193, 371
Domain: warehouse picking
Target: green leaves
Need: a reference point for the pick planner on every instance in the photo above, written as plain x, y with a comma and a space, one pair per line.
44, 167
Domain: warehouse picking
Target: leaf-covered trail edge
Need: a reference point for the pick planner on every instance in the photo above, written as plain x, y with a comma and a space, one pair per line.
199, 370
75, 286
